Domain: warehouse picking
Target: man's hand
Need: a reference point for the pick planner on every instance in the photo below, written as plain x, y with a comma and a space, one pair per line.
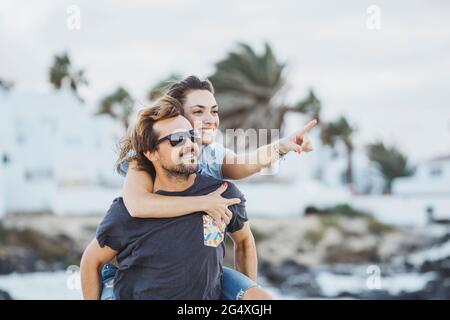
298, 141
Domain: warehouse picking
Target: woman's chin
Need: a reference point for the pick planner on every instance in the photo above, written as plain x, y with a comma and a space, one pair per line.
207, 139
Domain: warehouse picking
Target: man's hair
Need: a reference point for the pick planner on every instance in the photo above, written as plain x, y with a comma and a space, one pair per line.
180, 89
141, 137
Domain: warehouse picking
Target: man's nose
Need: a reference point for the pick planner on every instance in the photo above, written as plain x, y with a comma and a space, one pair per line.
189, 144
192, 146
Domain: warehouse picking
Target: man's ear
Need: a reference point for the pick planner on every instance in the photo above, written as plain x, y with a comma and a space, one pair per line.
152, 155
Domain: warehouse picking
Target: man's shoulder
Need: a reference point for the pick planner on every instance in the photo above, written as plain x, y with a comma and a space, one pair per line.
117, 210
209, 184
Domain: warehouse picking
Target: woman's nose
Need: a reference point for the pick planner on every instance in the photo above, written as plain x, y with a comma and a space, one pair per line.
208, 118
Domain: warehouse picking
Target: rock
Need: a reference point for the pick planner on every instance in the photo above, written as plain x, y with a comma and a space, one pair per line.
27, 250
332, 236
290, 276
343, 254
347, 295
390, 245
5, 295
376, 295
278, 274
440, 266
353, 226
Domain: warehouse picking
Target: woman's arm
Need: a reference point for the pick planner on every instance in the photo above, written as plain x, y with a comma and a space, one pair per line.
141, 202
239, 166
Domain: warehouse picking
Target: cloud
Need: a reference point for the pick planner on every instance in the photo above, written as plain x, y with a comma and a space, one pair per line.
400, 70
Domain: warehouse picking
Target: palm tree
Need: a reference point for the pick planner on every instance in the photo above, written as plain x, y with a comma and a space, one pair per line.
390, 162
311, 106
340, 131
62, 71
249, 89
118, 105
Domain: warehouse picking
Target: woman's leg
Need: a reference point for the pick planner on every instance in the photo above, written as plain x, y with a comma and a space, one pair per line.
108, 273
237, 286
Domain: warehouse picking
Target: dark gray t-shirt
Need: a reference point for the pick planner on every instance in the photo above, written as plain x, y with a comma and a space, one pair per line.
170, 258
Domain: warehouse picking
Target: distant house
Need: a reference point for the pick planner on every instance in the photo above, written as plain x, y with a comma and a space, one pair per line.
51, 143
431, 177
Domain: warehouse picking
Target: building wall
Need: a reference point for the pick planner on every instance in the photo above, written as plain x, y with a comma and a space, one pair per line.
431, 177
54, 143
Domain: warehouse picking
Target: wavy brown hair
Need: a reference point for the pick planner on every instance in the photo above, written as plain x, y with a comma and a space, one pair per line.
141, 137
180, 89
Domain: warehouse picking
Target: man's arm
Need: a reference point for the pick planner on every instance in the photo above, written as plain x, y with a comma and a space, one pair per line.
94, 257
246, 260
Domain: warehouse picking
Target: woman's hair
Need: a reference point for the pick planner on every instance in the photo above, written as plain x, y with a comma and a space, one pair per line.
141, 137
180, 89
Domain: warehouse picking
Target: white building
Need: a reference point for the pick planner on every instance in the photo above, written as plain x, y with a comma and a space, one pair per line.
51, 144
431, 177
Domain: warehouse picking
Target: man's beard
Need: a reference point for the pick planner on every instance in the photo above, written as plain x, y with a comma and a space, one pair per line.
186, 167
181, 171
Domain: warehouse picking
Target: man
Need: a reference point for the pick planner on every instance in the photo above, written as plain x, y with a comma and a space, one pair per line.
169, 258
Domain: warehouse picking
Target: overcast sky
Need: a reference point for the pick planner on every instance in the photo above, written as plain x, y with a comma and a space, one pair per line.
392, 83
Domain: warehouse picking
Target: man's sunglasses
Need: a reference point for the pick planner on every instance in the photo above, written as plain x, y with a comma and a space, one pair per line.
180, 138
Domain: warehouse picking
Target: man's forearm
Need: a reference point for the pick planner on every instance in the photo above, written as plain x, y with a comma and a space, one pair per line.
90, 282
246, 260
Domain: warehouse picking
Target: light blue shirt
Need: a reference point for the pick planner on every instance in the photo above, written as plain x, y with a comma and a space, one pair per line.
211, 160
209, 163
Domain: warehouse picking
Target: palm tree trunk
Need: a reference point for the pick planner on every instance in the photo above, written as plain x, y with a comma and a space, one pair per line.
349, 172
388, 188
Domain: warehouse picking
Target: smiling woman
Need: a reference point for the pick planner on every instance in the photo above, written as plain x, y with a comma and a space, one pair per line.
202, 111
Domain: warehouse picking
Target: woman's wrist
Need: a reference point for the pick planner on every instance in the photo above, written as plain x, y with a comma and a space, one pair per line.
280, 149
202, 203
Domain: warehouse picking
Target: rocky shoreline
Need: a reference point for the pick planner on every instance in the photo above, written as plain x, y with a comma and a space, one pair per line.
28, 250
308, 257
335, 263
5, 295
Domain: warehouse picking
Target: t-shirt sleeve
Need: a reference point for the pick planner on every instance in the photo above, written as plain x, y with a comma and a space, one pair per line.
124, 165
211, 163
110, 230
123, 168
239, 211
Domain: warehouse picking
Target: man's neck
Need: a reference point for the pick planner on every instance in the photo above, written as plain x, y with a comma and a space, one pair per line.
168, 182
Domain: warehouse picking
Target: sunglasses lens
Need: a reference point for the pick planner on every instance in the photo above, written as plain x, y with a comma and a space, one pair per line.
176, 140
195, 136
181, 137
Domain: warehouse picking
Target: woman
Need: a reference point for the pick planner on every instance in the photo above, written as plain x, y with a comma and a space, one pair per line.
201, 109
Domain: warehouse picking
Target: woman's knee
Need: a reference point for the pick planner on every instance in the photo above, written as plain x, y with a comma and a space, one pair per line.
256, 293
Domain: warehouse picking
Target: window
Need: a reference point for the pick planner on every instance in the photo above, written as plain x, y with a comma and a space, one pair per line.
5, 159
435, 171
38, 174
